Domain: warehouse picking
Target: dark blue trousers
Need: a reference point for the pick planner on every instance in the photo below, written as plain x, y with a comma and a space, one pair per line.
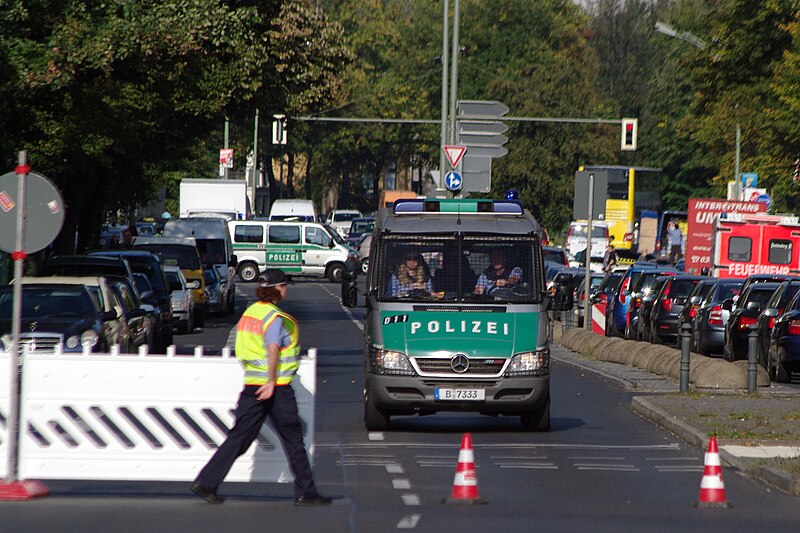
250, 415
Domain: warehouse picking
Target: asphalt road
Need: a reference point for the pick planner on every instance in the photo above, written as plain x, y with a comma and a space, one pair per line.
600, 468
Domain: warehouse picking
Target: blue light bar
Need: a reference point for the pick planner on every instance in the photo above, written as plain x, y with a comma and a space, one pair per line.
454, 206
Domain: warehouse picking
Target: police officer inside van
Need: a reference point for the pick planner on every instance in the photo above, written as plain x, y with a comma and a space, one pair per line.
411, 275
498, 274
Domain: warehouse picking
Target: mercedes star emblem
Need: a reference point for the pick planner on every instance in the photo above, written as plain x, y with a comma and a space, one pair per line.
459, 363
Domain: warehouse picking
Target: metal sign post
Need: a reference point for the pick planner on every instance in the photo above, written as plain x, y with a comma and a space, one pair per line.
587, 307
36, 198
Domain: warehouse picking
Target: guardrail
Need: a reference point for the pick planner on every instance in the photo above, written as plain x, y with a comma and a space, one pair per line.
139, 417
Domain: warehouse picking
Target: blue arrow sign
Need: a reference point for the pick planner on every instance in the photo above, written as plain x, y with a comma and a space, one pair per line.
453, 181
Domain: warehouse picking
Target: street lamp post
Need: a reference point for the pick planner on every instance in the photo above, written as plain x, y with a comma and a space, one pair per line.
694, 40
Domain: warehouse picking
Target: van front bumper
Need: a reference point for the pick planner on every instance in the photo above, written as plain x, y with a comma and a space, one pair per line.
394, 394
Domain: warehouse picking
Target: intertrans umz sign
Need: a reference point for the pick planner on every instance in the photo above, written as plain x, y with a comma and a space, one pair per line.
701, 215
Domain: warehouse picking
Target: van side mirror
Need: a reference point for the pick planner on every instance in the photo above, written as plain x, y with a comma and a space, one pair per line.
194, 284
233, 261
331, 244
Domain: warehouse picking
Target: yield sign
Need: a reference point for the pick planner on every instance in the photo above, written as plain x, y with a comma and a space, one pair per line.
454, 154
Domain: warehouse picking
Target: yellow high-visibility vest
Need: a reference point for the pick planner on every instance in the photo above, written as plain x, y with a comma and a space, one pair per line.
251, 348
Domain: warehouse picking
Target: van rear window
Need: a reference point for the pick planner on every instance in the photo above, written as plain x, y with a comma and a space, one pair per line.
185, 257
740, 249
780, 252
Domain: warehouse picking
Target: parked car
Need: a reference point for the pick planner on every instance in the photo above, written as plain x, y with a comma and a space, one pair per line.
182, 298
783, 355
550, 272
358, 228
605, 291
596, 279
341, 219
552, 254
708, 325
618, 304
142, 319
773, 309
61, 311
667, 306
764, 278
363, 247
698, 295
646, 308
149, 264
744, 314
643, 287
111, 237
216, 292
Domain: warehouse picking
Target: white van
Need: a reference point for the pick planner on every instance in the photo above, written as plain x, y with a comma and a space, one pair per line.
576, 238
299, 248
299, 210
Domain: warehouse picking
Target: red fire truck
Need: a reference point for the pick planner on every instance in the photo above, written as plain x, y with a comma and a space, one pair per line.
745, 244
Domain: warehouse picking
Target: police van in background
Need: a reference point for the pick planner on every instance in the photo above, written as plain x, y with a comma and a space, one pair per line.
442, 345
297, 248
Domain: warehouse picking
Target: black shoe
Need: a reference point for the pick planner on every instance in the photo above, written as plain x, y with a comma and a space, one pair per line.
313, 500
207, 495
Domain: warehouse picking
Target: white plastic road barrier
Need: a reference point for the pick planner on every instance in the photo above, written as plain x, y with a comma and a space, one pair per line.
599, 318
139, 417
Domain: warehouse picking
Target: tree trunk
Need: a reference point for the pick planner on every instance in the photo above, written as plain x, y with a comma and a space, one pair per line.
344, 197
308, 174
290, 176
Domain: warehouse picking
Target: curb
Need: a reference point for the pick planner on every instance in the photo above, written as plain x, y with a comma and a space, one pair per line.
779, 479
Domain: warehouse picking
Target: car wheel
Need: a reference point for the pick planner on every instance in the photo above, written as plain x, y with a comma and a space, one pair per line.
698, 344
183, 327
365, 265
334, 272
200, 319
782, 374
232, 305
248, 272
538, 420
374, 418
628, 332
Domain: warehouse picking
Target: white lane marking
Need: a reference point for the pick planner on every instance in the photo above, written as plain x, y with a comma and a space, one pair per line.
362, 462
375, 436
395, 469
519, 457
594, 458
437, 465
410, 499
531, 466
346, 310
399, 483
612, 468
670, 458
409, 521
679, 468
515, 446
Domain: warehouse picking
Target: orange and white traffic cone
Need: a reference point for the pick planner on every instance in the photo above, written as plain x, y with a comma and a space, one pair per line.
712, 489
465, 483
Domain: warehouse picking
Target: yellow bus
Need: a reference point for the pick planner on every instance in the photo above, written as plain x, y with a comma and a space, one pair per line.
620, 212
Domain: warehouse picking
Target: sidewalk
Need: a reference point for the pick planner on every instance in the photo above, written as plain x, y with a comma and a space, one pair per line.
664, 407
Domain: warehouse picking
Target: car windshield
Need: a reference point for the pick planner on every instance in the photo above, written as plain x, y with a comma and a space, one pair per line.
361, 226
50, 302
554, 256
465, 269
727, 291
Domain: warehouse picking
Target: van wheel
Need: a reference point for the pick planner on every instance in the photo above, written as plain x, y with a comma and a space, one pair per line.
231, 305
374, 418
334, 272
537, 420
248, 272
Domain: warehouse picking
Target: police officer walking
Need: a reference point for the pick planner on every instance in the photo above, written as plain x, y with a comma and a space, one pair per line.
268, 349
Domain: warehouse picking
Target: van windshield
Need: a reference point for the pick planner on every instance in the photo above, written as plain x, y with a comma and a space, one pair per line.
179, 255
579, 230
471, 269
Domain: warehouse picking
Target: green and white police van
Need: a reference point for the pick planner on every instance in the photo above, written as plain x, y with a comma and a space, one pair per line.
456, 313
299, 248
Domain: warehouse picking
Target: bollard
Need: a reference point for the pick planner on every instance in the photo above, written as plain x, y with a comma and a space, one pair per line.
752, 359
685, 336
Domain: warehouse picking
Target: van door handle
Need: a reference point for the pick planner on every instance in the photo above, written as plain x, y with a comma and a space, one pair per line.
299, 251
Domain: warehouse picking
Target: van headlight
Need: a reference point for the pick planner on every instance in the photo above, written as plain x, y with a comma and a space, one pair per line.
535, 363
87, 338
390, 362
